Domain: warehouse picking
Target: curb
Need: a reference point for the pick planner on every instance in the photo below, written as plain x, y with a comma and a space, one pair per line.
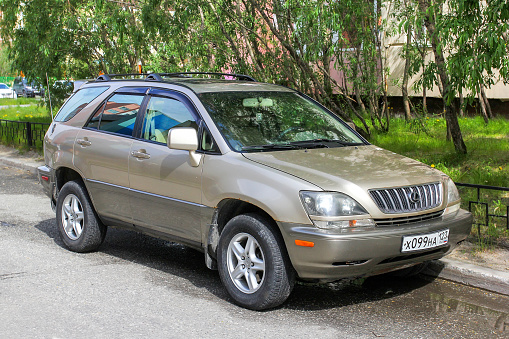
453, 270
17, 164
470, 275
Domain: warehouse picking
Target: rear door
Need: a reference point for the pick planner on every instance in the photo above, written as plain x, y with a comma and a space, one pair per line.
102, 154
165, 188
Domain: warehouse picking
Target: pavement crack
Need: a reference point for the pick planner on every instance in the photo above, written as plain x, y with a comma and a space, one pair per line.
11, 275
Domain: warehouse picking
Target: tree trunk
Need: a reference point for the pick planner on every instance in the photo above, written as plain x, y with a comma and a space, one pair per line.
424, 103
450, 109
486, 102
482, 104
404, 86
462, 104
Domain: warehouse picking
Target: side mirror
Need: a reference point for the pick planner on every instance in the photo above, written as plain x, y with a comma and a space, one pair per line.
185, 138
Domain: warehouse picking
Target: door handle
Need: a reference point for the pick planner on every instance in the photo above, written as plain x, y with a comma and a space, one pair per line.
84, 142
141, 154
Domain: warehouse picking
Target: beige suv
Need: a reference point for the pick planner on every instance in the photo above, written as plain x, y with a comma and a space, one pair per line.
267, 183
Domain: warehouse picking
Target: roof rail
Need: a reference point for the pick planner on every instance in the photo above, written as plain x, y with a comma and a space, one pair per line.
159, 76
103, 77
153, 77
109, 77
238, 76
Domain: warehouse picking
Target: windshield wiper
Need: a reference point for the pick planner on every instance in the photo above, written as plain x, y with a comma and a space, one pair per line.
324, 142
270, 147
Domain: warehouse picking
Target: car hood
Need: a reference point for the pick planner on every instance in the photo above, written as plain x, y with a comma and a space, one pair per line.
347, 168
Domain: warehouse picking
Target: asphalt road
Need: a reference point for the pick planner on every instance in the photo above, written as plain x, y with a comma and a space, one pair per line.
138, 287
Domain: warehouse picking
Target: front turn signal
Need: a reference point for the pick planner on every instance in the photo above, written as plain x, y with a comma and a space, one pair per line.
304, 243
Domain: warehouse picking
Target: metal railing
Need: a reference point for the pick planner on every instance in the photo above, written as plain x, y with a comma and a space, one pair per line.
23, 132
485, 204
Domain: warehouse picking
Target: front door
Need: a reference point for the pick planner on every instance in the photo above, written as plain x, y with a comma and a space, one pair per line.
165, 188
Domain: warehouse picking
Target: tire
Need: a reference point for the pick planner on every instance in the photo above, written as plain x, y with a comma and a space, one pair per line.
79, 227
410, 271
253, 263
24, 94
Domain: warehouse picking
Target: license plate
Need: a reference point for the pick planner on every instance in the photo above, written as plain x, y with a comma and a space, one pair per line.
424, 241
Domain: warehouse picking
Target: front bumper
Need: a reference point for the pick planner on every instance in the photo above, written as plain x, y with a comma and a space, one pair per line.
46, 177
356, 253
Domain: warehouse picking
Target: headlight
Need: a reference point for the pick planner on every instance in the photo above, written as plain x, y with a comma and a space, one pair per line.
334, 210
453, 197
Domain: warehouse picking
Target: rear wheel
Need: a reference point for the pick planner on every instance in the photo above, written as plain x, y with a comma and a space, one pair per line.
79, 227
253, 264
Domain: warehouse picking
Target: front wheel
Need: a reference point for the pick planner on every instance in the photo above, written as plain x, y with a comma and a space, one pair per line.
253, 264
79, 227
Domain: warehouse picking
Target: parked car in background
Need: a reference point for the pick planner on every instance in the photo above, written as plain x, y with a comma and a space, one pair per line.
22, 88
38, 88
7, 92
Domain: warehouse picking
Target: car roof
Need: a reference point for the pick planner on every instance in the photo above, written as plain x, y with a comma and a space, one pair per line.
197, 85
218, 85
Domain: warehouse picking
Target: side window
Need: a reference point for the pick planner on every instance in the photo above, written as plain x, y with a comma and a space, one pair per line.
78, 101
162, 115
118, 114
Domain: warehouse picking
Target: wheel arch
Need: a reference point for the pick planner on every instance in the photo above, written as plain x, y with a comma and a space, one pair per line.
226, 210
64, 175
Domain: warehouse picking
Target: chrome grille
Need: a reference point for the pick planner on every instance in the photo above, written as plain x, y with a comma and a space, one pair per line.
408, 199
408, 220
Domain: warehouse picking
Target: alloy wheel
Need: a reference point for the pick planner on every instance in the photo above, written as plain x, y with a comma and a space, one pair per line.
72, 217
246, 263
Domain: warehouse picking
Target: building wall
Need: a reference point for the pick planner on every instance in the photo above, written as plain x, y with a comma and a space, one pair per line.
393, 46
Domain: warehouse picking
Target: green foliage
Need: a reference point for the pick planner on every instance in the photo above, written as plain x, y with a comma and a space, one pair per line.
291, 43
5, 61
473, 34
76, 38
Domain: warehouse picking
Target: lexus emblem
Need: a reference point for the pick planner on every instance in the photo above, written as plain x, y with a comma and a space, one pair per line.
415, 196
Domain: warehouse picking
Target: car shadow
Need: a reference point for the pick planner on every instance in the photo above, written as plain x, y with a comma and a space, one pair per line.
173, 259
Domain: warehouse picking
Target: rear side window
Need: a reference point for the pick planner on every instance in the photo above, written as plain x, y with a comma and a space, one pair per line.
78, 101
117, 115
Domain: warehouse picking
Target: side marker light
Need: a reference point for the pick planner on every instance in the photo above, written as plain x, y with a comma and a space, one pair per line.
304, 243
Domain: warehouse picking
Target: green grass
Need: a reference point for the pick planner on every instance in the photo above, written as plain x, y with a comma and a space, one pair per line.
18, 101
33, 113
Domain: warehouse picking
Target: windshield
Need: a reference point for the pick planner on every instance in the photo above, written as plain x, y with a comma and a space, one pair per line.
4, 86
258, 121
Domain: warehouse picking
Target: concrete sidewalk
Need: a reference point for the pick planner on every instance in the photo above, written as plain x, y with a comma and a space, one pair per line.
449, 269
